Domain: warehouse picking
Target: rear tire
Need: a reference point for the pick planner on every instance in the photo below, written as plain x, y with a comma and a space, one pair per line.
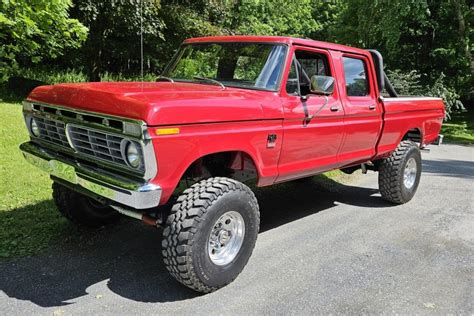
399, 174
210, 233
82, 210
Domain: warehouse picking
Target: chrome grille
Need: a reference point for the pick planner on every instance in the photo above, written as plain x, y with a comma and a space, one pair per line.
52, 131
96, 143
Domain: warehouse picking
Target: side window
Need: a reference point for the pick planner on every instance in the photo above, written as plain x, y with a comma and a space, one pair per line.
305, 65
356, 78
292, 82
310, 64
313, 65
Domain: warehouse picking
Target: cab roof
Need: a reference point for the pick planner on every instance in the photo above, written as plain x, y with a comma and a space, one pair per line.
277, 39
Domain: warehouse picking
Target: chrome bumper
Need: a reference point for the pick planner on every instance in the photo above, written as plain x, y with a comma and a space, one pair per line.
85, 180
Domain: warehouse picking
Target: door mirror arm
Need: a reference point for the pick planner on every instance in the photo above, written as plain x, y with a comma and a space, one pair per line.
308, 117
321, 85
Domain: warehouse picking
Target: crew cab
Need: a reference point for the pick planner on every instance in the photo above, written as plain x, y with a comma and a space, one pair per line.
226, 110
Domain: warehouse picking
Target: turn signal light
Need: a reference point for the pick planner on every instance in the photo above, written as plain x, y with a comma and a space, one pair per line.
167, 131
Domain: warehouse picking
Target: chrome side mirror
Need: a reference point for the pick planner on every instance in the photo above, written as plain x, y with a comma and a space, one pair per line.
322, 85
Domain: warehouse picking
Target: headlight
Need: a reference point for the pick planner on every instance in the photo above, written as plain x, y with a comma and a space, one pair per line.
132, 154
34, 128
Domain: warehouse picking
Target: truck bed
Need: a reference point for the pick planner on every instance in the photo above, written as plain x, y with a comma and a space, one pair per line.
423, 115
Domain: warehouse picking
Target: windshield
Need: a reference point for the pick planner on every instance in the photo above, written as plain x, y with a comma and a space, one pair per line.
245, 65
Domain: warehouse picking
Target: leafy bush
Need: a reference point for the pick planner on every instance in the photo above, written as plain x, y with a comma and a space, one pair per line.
449, 95
108, 76
31, 31
409, 83
406, 83
53, 76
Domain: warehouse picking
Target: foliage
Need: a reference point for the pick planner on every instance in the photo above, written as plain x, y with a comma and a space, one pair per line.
275, 17
113, 43
31, 31
429, 36
52, 76
450, 97
406, 83
57, 75
409, 84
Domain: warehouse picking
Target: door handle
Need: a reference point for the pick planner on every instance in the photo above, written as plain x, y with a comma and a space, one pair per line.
372, 107
334, 108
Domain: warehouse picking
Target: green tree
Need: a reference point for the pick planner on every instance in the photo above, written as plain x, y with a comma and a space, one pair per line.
113, 44
31, 31
189, 18
274, 17
431, 36
327, 13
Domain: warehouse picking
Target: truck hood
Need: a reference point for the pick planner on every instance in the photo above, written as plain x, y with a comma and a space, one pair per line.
163, 103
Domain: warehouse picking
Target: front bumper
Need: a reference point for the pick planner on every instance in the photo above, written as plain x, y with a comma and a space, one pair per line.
91, 182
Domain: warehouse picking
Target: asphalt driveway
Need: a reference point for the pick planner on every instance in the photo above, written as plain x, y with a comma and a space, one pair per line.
324, 247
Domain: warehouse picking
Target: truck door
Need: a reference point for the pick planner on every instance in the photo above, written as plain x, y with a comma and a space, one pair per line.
309, 146
363, 115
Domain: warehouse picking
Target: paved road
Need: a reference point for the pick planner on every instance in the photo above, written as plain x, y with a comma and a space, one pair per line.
324, 247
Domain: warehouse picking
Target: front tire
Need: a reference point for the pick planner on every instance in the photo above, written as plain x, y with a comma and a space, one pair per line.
210, 233
399, 174
82, 210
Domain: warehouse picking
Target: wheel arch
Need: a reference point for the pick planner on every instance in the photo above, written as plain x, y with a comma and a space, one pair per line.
415, 134
229, 160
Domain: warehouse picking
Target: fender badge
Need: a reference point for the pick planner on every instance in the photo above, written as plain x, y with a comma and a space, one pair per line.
271, 141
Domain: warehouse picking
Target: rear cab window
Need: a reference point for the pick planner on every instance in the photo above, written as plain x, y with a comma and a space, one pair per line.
355, 74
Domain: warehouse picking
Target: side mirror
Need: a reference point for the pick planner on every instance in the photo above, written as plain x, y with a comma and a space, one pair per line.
322, 85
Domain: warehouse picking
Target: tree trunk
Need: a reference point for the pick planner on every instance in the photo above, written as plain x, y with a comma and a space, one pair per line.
94, 52
93, 70
462, 31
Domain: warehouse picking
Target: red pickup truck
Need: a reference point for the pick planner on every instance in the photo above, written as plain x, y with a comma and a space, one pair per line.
226, 110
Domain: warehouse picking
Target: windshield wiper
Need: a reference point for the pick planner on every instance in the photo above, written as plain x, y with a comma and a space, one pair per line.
159, 78
210, 80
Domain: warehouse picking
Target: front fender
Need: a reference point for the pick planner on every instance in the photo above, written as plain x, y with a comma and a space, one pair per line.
175, 153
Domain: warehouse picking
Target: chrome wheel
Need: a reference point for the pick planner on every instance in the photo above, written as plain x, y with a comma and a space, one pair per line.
409, 174
226, 238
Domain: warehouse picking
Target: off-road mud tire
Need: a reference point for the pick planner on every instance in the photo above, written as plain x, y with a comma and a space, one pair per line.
391, 173
82, 210
187, 230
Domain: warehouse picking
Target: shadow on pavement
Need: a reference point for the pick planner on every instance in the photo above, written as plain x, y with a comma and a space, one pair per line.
450, 168
127, 256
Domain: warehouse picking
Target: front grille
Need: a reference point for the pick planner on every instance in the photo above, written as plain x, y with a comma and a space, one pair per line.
96, 143
89, 118
52, 131
84, 140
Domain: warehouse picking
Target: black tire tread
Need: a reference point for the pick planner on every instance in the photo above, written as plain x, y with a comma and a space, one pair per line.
189, 210
391, 170
68, 204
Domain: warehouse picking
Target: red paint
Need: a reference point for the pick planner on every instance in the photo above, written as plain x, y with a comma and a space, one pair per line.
214, 120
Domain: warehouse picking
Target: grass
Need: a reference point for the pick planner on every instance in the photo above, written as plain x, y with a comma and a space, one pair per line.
28, 219
460, 129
